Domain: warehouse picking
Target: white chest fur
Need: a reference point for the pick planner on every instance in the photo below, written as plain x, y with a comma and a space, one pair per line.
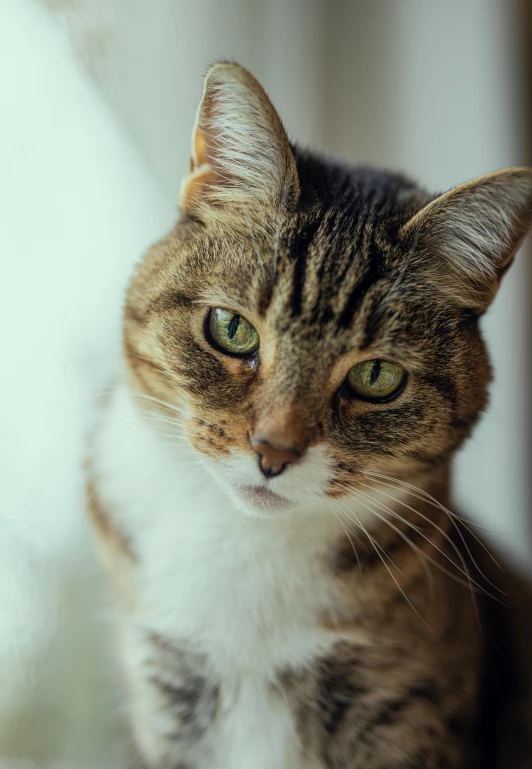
247, 593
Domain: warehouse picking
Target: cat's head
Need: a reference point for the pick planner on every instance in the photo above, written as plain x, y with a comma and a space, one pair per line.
317, 323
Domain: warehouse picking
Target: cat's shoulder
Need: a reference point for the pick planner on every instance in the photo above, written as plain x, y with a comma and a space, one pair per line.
506, 693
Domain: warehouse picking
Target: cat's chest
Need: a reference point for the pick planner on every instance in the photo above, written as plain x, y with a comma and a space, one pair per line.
251, 594
222, 630
251, 602
223, 606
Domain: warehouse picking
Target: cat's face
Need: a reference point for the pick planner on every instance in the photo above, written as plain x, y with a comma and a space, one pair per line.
317, 325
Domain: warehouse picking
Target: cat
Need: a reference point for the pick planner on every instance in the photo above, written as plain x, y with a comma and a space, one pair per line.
302, 359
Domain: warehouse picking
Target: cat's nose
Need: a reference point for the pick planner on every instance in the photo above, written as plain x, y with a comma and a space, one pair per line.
273, 460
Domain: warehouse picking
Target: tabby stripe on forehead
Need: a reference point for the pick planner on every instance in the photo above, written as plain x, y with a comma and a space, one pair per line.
375, 263
366, 555
371, 276
325, 267
330, 284
299, 253
375, 317
355, 248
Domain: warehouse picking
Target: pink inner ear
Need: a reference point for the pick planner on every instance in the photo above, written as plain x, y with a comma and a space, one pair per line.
203, 172
200, 151
240, 152
205, 158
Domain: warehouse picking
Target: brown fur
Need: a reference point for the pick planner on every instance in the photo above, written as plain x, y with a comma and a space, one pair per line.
334, 266
114, 547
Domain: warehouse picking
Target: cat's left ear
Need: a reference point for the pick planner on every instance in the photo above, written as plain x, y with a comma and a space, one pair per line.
241, 155
468, 237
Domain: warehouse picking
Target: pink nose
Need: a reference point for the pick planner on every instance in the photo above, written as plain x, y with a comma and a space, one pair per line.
273, 459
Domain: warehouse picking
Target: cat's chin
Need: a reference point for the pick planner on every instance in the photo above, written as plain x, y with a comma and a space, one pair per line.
259, 500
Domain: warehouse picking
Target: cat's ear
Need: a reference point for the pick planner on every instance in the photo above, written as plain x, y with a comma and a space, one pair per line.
240, 151
468, 237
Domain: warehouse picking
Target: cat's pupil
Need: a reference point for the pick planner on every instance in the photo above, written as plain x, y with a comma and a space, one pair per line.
233, 326
375, 372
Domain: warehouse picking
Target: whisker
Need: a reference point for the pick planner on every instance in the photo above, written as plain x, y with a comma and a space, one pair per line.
165, 419
409, 542
436, 503
418, 552
180, 437
471, 584
140, 440
432, 561
464, 571
356, 518
344, 527
376, 544
462, 521
436, 526
388, 509
424, 495
152, 399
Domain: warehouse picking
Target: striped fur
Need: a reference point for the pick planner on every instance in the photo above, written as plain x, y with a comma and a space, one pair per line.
327, 617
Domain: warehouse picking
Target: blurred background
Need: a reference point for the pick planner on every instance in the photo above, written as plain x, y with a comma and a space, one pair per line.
98, 104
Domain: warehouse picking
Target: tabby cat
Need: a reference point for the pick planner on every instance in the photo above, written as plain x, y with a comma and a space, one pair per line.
302, 359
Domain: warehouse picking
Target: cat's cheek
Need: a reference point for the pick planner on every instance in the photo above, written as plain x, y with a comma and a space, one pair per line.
209, 446
218, 435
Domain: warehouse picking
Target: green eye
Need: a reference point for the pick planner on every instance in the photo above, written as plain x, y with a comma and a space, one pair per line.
376, 380
232, 333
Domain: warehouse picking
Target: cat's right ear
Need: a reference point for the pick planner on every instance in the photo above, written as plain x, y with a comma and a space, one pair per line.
466, 239
241, 155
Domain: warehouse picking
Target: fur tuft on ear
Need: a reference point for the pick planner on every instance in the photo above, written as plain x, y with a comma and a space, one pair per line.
469, 236
240, 152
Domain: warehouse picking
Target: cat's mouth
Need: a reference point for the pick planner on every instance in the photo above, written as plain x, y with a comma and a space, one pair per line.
261, 498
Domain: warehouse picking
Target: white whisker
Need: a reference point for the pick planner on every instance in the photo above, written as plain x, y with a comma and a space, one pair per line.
464, 571
157, 401
453, 517
418, 552
345, 529
374, 543
438, 528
